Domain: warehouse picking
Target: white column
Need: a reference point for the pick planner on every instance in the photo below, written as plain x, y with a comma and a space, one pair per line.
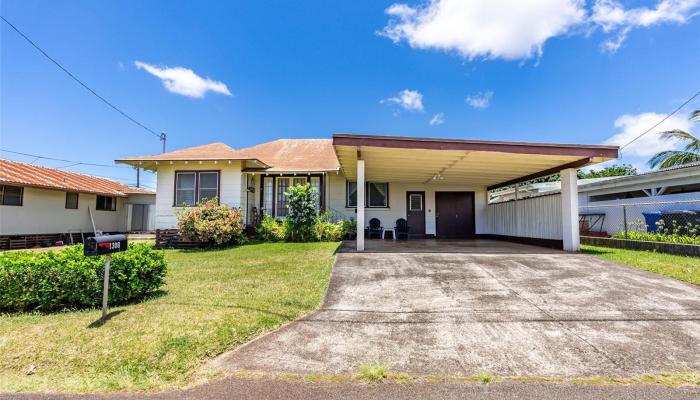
360, 205
569, 209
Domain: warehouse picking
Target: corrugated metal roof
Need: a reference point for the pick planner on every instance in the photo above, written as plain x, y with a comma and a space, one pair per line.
21, 174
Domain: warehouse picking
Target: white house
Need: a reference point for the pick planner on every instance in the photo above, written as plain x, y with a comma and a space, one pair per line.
40, 205
438, 185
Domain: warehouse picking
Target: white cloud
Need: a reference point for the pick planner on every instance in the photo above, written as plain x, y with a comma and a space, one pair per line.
480, 100
411, 100
612, 17
631, 126
483, 28
516, 30
438, 119
184, 81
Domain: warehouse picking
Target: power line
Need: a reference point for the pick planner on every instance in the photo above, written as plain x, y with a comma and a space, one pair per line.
71, 162
660, 122
149, 130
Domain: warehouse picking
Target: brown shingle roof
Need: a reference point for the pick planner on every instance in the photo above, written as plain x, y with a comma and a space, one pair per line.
296, 155
21, 174
211, 151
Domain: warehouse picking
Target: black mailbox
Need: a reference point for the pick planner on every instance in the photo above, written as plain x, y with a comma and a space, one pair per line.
108, 244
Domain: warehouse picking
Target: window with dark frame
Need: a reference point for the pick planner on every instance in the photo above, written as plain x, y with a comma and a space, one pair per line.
72, 200
11, 195
193, 187
106, 203
275, 202
376, 193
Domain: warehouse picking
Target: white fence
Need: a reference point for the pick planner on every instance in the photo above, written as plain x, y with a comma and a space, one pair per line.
534, 217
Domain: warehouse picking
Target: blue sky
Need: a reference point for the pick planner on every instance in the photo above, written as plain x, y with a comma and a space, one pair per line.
556, 71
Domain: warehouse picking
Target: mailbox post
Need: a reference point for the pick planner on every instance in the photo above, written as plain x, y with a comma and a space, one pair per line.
105, 245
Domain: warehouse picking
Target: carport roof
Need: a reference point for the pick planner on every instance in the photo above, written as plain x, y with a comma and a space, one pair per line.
457, 161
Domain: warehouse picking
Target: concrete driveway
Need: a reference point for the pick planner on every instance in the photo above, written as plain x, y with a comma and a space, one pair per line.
505, 309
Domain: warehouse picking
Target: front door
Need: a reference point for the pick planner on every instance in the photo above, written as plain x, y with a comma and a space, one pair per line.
139, 217
454, 214
415, 212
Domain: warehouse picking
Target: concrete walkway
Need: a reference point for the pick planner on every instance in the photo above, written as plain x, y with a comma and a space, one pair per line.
509, 310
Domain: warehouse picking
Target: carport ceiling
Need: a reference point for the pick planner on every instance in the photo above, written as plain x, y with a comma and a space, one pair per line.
451, 161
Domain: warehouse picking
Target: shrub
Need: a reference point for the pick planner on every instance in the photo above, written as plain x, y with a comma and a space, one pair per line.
658, 237
301, 217
270, 229
348, 228
67, 279
212, 223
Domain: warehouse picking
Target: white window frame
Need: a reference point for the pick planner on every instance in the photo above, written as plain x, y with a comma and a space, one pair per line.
196, 186
367, 195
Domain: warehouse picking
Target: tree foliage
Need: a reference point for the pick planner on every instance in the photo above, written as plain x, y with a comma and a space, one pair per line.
690, 152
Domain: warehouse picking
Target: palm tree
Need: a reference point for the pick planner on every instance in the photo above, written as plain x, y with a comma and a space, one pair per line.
671, 158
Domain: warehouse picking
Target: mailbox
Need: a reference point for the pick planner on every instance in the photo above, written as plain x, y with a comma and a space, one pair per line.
97, 246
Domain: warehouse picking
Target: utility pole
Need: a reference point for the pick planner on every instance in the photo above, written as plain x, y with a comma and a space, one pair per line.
138, 177
163, 137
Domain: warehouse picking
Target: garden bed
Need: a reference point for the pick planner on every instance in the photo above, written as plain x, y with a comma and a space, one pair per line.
680, 249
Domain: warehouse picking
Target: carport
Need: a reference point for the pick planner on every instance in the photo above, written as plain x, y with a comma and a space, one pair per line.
445, 184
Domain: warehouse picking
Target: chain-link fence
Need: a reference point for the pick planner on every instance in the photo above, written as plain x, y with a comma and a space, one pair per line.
632, 218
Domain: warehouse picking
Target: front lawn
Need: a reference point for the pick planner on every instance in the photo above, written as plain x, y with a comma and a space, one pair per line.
213, 302
683, 268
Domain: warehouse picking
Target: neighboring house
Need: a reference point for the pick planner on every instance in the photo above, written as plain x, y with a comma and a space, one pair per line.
670, 184
439, 185
539, 189
40, 205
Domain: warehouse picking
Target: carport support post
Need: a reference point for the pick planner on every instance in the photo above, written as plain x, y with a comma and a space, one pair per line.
360, 205
569, 209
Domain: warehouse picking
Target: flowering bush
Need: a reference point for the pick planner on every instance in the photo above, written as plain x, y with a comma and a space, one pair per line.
212, 223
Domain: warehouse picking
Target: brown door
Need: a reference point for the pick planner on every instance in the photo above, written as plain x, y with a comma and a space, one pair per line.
415, 212
454, 214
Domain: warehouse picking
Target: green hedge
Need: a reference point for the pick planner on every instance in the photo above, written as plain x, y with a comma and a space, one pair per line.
67, 279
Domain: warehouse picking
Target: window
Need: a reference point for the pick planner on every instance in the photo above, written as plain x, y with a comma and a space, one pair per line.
106, 203
316, 184
11, 195
71, 200
208, 186
376, 193
192, 187
282, 186
415, 202
268, 192
351, 200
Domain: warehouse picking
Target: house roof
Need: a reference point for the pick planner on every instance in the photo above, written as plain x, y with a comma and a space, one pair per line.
21, 174
211, 151
677, 171
296, 155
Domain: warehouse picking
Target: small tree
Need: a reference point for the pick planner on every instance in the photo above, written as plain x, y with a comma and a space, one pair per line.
301, 217
212, 223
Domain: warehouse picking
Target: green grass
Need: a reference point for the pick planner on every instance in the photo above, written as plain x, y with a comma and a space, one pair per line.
213, 301
683, 268
373, 372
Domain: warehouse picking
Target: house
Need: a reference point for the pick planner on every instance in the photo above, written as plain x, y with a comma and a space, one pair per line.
539, 189
439, 185
40, 205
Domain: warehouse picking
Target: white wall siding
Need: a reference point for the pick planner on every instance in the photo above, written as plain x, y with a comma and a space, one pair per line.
397, 202
230, 188
44, 211
536, 217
